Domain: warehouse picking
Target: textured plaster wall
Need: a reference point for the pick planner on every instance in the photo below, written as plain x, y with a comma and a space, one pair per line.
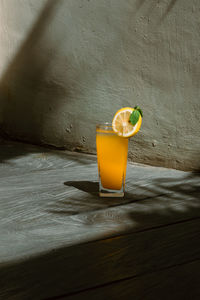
66, 65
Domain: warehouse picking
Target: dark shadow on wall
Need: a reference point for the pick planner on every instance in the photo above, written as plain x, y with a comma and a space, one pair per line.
27, 98
69, 269
24, 88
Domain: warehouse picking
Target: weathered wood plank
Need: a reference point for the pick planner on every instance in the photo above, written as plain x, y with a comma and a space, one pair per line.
179, 282
57, 200
49, 207
19, 159
72, 269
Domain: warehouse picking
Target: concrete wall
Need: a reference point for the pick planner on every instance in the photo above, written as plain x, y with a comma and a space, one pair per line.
67, 65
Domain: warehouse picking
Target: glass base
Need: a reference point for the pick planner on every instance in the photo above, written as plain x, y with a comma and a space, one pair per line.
110, 194
105, 192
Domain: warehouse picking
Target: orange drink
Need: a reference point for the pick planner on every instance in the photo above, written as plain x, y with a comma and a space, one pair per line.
112, 160
112, 149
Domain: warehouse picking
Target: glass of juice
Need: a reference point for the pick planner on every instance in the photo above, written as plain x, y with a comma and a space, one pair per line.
112, 153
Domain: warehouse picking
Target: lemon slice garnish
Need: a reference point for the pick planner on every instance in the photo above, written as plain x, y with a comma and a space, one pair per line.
121, 122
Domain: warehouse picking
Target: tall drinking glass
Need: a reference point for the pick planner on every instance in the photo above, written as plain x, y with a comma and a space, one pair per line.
112, 160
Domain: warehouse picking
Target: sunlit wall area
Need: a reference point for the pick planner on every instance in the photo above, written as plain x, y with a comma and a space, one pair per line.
16, 21
67, 65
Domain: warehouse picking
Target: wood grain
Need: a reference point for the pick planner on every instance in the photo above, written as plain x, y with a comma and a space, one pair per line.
178, 282
71, 269
58, 237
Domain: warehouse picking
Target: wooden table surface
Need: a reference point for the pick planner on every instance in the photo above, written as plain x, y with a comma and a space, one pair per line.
59, 240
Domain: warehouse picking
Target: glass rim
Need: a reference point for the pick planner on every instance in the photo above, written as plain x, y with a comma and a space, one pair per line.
105, 125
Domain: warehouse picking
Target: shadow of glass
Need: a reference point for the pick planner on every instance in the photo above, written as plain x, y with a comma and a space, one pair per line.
93, 189
24, 278
161, 192
73, 262
84, 197
188, 185
85, 186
